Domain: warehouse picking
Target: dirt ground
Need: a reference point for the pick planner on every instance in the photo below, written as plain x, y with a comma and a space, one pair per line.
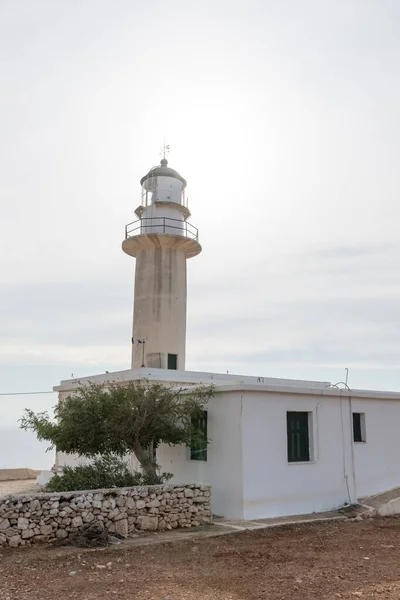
322, 561
18, 487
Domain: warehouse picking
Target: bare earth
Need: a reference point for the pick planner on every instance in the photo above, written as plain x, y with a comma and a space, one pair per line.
322, 561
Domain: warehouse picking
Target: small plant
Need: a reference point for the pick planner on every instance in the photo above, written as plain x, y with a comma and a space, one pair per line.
108, 471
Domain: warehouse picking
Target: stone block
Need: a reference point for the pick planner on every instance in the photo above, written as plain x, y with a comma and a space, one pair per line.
77, 522
23, 523
4, 524
121, 527
130, 503
46, 530
15, 541
113, 513
140, 504
61, 534
153, 504
162, 525
27, 533
120, 517
147, 523
88, 518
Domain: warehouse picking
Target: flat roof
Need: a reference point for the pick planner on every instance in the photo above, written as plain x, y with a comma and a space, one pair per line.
184, 377
225, 382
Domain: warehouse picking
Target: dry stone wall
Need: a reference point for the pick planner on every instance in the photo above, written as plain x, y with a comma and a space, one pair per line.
28, 519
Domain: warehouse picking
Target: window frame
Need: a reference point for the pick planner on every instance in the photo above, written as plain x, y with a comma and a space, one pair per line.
195, 452
175, 356
306, 452
361, 428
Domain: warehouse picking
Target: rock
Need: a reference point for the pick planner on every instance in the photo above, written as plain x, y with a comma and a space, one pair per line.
27, 533
113, 540
153, 504
121, 528
61, 534
46, 529
35, 505
4, 524
113, 513
140, 504
89, 518
77, 522
189, 493
72, 573
101, 567
148, 523
23, 523
14, 542
130, 503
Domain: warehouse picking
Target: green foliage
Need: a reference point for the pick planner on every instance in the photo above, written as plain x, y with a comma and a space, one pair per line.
105, 472
121, 418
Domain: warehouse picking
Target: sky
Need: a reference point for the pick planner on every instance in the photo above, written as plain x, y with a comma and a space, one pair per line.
282, 116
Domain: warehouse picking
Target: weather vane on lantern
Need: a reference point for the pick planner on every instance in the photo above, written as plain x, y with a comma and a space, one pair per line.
164, 150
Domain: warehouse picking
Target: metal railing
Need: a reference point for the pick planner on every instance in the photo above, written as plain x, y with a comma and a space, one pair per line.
161, 225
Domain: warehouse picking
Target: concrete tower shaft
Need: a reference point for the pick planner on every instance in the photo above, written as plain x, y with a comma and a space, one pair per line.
161, 240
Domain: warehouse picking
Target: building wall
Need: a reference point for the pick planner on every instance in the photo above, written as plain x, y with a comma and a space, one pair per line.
273, 486
223, 468
340, 470
377, 460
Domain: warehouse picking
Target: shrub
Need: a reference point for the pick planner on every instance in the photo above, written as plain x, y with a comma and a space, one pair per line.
105, 472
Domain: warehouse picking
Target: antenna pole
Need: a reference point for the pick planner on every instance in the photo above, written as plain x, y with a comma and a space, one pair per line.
164, 149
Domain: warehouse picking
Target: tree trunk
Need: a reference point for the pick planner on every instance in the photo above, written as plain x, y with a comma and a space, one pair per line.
147, 463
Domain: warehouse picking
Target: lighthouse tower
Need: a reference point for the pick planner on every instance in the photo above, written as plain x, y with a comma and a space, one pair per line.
161, 240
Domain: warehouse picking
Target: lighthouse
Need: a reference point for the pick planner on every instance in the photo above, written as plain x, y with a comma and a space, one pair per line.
161, 240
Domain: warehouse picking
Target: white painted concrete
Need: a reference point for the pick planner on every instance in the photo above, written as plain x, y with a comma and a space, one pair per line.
273, 486
247, 461
377, 460
223, 468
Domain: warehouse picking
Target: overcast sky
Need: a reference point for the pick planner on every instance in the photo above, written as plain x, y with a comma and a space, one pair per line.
283, 115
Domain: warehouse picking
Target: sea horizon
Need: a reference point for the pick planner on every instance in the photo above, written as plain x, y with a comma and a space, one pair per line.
21, 449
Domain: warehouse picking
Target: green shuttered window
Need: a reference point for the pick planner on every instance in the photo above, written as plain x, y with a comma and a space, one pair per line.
298, 436
198, 447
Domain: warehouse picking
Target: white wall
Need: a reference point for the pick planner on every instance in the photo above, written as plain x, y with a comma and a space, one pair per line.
377, 460
223, 468
272, 485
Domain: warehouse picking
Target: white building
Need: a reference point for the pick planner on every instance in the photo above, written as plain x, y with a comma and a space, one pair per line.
277, 446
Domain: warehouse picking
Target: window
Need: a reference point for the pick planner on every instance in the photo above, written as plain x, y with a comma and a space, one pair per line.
172, 361
298, 437
198, 447
359, 427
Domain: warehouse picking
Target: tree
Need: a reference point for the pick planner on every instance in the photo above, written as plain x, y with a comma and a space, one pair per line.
115, 418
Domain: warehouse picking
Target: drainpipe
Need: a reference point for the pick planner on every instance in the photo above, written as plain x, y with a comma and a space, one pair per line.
353, 464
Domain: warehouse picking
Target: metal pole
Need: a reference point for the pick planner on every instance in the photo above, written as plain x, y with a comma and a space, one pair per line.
143, 343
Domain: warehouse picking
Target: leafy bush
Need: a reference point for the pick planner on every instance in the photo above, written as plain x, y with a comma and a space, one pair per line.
108, 471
